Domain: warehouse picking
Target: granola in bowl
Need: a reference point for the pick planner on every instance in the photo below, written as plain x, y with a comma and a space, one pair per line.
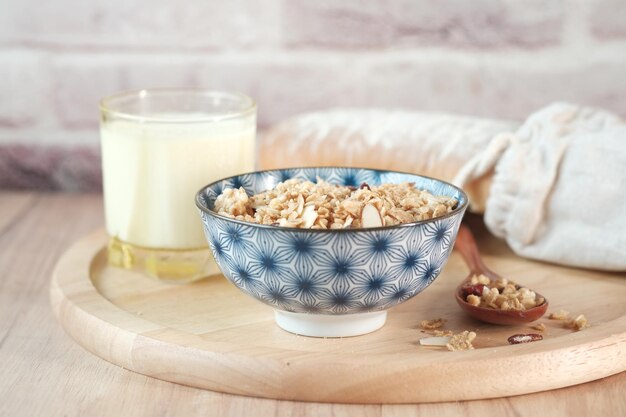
321, 205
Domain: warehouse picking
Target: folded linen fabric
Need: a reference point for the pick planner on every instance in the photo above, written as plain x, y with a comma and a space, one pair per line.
432, 144
559, 189
553, 187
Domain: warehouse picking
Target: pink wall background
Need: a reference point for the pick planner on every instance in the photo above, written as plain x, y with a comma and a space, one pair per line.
491, 58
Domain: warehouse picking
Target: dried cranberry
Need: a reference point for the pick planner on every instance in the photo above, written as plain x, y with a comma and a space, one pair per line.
476, 289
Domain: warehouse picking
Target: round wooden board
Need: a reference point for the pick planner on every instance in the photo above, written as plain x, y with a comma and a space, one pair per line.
210, 335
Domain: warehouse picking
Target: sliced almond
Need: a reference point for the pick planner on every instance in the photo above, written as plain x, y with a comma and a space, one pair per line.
435, 341
370, 217
348, 222
486, 291
309, 215
300, 204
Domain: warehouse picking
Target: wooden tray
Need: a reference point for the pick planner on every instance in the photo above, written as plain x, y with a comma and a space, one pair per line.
209, 335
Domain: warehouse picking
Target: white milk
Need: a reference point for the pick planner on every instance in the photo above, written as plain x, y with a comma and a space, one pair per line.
152, 171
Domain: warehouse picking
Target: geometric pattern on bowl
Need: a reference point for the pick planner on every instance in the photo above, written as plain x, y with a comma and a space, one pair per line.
330, 272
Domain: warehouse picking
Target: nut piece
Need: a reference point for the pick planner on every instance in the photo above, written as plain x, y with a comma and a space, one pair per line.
540, 326
370, 217
435, 341
432, 324
559, 315
309, 215
578, 323
524, 338
461, 341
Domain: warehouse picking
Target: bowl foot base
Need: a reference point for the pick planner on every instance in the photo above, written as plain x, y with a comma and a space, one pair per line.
323, 325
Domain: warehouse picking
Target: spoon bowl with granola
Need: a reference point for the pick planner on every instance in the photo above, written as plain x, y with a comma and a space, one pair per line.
490, 298
331, 249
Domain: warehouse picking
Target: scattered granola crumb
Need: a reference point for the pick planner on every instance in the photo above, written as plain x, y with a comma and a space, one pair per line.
432, 324
559, 315
540, 326
461, 341
443, 333
578, 323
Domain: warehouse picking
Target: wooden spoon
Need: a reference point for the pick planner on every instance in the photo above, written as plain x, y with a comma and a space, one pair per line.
466, 245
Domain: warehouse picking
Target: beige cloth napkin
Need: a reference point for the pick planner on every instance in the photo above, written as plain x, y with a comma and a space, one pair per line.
559, 189
432, 144
554, 187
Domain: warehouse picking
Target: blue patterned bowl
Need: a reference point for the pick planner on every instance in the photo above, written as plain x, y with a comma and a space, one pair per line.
330, 283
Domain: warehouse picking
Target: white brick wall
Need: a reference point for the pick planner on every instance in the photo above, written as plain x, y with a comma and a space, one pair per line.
410, 23
493, 58
608, 19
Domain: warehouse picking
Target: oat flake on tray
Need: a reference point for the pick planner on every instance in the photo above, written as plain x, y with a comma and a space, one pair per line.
321, 205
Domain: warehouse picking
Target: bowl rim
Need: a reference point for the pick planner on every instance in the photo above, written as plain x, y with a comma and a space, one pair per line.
454, 212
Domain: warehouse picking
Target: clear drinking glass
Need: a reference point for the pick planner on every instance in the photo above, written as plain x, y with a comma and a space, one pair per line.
158, 148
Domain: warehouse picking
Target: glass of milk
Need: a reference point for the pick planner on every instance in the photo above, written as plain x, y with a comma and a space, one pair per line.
159, 147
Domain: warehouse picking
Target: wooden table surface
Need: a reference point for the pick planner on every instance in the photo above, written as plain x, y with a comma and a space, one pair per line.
44, 373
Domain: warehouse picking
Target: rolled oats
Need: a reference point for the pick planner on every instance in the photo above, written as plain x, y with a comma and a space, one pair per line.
321, 205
